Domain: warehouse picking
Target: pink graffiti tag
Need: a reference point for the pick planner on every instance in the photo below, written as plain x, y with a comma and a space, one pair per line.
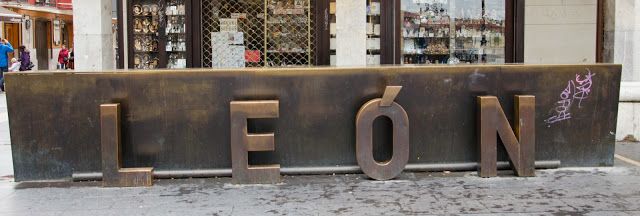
578, 89
584, 88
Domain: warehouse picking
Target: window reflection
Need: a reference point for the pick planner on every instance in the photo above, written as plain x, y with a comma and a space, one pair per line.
453, 31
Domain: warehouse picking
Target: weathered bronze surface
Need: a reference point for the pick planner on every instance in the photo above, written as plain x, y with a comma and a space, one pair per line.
519, 143
390, 94
243, 142
364, 136
179, 119
113, 173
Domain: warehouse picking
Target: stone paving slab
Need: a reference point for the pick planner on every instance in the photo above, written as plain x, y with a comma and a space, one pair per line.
629, 150
584, 191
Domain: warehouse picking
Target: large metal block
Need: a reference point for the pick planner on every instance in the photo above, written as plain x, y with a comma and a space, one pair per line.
179, 120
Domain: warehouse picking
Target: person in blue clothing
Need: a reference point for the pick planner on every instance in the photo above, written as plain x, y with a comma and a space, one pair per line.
5, 49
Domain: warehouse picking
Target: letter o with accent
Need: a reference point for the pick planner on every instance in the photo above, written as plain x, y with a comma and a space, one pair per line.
364, 139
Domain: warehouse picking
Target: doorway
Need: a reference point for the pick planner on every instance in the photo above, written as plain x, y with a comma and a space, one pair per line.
12, 32
42, 41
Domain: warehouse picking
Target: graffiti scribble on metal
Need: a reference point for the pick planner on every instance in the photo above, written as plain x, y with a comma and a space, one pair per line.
576, 90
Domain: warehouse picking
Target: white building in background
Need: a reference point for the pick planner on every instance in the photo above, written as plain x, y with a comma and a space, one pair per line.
625, 28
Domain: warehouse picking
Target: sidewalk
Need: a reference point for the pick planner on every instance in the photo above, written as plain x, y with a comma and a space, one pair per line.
580, 191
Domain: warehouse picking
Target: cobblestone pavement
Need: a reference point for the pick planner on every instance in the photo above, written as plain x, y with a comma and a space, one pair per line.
568, 191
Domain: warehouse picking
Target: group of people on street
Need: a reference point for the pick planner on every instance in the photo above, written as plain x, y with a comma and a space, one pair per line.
65, 60
13, 65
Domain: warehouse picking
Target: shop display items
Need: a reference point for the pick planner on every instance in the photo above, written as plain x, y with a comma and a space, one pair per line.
288, 33
373, 32
159, 38
146, 23
270, 33
453, 32
176, 38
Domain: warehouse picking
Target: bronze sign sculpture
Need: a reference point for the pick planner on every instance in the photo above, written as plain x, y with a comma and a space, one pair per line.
256, 124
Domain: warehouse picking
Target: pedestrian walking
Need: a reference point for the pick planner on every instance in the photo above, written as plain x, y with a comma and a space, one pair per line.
25, 59
70, 63
5, 49
63, 58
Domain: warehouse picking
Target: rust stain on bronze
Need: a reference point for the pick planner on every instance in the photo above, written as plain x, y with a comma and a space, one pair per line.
242, 142
364, 137
113, 175
519, 143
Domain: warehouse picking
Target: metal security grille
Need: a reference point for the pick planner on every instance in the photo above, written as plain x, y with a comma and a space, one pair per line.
259, 33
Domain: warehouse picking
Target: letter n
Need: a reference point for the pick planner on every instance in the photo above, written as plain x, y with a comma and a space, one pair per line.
519, 143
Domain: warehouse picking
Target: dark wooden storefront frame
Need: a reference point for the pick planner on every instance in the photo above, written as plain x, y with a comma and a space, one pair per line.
390, 52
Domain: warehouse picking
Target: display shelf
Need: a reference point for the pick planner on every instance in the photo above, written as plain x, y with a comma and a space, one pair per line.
446, 37
145, 16
149, 33
454, 38
288, 31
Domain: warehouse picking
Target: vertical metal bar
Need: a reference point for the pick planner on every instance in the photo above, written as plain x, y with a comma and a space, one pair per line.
309, 32
125, 35
265, 18
110, 142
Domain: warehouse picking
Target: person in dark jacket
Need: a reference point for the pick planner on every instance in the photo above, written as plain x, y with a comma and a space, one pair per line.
25, 58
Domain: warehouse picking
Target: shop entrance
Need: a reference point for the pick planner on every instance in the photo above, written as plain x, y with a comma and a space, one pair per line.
257, 33
42, 43
13, 34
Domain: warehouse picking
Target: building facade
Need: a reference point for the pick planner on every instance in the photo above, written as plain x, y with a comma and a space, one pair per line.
293, 33
46, 26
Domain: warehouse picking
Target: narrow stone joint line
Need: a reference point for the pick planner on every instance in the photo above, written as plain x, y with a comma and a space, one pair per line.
627, 160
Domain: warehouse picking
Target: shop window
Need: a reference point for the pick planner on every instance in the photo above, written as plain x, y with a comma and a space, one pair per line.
159, 34
453, 31
257, 33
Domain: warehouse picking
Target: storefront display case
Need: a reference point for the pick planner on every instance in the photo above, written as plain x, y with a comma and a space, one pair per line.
259, 33
158, 34
294, 33
453, 32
